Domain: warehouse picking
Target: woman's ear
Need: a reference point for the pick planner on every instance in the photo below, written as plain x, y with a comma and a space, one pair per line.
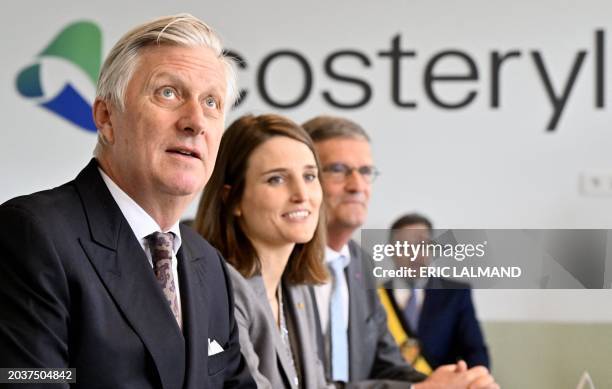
226, 189
225, 192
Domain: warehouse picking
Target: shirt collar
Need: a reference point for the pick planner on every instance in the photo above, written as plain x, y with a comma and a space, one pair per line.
331, 254
141, 223
403, 283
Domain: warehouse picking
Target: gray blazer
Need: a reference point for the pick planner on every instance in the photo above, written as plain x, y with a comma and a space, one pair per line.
260, 340
375, 360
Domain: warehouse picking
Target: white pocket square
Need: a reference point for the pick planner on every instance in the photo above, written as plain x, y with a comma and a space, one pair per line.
214, 347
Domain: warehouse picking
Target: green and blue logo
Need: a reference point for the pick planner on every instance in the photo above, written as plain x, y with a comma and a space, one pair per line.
79, 44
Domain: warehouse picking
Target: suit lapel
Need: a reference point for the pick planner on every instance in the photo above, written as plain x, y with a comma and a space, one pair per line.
354, 280
399, 312
194, 302
429, 301
258, 286
319, 336
296, 307
124, 269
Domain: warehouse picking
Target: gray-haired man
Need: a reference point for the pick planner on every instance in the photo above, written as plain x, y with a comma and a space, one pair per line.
97, 274
360, 350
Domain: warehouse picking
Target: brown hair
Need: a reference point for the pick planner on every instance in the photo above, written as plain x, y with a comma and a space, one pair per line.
408, 220
216, 220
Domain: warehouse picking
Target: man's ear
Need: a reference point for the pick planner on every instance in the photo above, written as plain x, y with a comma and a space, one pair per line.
102, 111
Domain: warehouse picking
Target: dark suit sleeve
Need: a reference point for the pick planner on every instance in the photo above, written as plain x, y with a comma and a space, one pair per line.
237, 371
470, 341
34, 297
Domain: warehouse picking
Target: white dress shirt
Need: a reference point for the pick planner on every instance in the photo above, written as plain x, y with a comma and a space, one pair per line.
143, 225
323, 292
402, 294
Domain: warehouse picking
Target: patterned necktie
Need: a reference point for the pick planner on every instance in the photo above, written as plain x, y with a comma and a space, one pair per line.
161, 245
338, 325
411, 311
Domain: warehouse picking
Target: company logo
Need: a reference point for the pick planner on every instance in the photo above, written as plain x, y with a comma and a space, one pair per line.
79, 45
450, 79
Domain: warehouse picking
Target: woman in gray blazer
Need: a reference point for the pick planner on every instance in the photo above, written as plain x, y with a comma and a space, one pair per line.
261, 210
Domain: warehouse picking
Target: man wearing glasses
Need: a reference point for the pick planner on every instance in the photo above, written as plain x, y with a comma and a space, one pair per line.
357, 346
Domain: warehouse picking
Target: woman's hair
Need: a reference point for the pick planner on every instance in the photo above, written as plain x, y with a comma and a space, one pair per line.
216, 219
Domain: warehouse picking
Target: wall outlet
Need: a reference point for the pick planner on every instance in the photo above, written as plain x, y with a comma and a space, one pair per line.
596, 183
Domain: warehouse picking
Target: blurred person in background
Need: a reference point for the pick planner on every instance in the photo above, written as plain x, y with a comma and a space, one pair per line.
433, 320
356, 344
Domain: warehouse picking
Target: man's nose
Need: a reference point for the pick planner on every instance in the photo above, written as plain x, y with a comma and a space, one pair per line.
355, 182
192, 119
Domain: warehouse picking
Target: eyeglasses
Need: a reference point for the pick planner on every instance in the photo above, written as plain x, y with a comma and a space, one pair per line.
340, 172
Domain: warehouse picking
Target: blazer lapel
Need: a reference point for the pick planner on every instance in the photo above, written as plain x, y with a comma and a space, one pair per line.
356, 287
194, 302
319, 336
297, 308
399, 312
124, 269
258, 286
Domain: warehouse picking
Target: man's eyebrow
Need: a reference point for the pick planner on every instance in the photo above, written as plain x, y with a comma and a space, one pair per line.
162, 76
174, 79
217, 92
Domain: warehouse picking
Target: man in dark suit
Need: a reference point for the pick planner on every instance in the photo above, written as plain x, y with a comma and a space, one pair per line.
358, 348
441, 322
97, 274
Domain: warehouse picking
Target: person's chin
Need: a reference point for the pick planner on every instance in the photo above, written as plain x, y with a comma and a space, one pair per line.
354, 208
183, 185
354, 219
302, 236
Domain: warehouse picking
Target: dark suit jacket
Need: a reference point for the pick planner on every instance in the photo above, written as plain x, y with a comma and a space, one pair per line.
448, 329
375, 360
76, 290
